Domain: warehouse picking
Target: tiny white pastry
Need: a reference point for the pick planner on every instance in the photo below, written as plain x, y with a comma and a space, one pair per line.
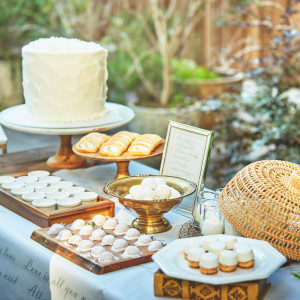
87, 196
146, 193
121, 229
44, 204
110, 224
240, 244
97, 235
131, 252
194, 254
86, 230
244, 254
33, 196
21, 191
154, 246
62, 184
68, 202
108, 240
99, 220
58, 195
73, 190
5, 179
149, 183
39, 173
36, 185
96, 251
27, 179
132, 234
12, 185
144, 240
49, 179
134, 191
64, 235
74, 240
209, 261
77, 224
106, 257
55, 229
47, 190
119, 245
85, 246
228, 258
162, 192
194, 243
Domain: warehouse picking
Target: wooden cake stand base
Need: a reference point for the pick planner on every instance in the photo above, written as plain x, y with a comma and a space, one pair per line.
65, 158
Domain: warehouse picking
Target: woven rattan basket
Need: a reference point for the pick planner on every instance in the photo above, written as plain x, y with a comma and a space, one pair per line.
262, 201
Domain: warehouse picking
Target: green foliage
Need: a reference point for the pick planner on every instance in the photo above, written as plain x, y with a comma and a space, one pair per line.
22, 21
186, 69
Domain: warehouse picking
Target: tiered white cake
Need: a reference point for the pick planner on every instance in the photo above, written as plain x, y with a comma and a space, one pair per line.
64, 80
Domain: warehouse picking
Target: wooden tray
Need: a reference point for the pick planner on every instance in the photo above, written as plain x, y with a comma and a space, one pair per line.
64, 215
63, 249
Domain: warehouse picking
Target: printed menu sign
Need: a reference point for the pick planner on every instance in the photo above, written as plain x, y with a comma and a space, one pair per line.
186, 155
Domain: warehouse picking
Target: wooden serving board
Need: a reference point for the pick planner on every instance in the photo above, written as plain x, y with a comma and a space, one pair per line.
64, 215
85, 260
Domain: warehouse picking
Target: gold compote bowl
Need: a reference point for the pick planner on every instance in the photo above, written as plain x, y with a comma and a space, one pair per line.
150, 213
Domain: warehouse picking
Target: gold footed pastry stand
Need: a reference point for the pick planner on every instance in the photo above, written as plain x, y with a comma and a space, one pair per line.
122, 161
65, 158
150, 214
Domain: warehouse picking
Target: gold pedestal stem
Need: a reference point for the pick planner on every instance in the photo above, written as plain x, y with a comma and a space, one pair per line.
122, 169
65, 158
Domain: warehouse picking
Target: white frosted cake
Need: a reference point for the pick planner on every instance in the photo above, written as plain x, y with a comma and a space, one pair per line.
64, 80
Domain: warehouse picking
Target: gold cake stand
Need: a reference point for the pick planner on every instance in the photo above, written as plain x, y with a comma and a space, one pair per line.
121, 161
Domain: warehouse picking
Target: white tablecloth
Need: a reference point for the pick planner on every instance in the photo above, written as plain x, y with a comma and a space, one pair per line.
30, 271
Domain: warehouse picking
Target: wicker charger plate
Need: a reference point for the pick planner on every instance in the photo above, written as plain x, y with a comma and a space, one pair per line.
262, 201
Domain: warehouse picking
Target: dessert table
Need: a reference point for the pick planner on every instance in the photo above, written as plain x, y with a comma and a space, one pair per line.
30, 271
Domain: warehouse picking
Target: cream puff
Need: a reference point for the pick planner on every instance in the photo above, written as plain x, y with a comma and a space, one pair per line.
99, 220
228, 261
132, 234
86, 230
119, 245
97, 235
106, 257
108, 240
155, 246
209, 263
121, 229
245, 257
96, 251
110, 224
143, 240
55, 229
131, 252
85, 246
194, 255
74, 240
77, 224
64, 235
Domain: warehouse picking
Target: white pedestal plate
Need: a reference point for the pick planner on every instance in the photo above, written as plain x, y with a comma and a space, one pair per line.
16, 118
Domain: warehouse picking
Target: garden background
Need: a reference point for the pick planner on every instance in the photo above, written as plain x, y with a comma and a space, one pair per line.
234, 65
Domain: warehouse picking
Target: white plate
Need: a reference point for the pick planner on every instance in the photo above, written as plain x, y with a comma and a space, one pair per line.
266, 260
16, 118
